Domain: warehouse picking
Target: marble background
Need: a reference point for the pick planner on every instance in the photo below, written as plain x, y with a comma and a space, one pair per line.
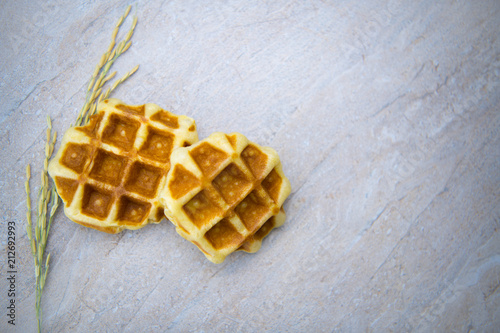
386, 117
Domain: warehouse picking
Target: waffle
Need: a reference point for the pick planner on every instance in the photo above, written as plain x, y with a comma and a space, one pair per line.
109, 172
225, 193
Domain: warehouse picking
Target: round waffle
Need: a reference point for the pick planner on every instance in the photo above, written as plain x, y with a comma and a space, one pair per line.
109, 172
225, 193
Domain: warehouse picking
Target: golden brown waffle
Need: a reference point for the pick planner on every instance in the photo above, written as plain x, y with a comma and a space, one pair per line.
225, 193
109, 172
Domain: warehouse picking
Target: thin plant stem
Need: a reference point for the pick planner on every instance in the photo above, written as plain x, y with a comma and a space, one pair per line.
48, 199
100, 75
45, 201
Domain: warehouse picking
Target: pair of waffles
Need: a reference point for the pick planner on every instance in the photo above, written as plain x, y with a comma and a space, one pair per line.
133, 165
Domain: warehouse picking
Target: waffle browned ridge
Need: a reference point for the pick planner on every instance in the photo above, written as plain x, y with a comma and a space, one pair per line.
225, 193
109, 172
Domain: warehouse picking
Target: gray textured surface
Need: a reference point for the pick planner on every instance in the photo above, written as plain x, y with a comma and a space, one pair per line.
386, 117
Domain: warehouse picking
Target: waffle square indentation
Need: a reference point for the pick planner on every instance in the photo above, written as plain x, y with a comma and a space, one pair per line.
249, 244
132, 210
93, 126
255, 159
272, 185
66, 188
166, 118
252, 210
208, 158
76, 156
223, 235
139, 110
107, 167
96, 202
158, 145
232, 140
232, 184
265, 229
202, 208
120, 132
143, 179
183, 181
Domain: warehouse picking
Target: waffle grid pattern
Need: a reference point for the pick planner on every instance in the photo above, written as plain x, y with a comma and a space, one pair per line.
109, 172
225, 193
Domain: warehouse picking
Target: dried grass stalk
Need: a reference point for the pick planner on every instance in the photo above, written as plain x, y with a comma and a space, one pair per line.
48, 199
46, 202
100, 76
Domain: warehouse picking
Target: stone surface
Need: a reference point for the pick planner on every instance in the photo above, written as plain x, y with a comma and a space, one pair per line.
386, 117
